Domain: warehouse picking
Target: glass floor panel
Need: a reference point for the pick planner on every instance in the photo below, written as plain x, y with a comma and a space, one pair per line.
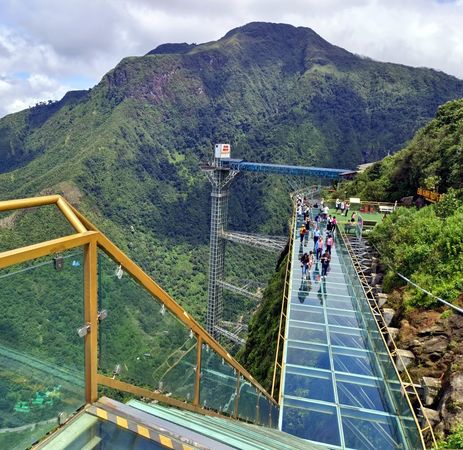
355, 362
307, 314
309, 383
308, 333
362, 392
308, 355
312, 421
366, 431
347, 337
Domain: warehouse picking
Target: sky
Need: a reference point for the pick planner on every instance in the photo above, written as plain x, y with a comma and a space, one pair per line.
48, 47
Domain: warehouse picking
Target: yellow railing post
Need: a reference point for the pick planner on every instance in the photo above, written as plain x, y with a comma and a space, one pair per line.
91, 319
199, 344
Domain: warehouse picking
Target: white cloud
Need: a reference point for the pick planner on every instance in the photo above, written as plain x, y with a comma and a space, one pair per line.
46, 45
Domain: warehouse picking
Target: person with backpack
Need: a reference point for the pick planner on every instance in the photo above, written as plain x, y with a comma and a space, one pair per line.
302, 233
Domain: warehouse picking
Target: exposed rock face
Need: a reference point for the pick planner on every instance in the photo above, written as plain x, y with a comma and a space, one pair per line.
437, 343
450, 405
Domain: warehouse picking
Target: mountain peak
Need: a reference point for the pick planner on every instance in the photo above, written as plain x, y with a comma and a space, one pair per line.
170, 48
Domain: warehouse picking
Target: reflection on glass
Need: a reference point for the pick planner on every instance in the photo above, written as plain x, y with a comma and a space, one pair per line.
307, 333
309, 383
354, 361
218, 382
307, 314
316, 422
265, 406
41, 355
343, 319
308, 355
348, 337
247, 402
141, 342
304, 290
365, 431
362, 392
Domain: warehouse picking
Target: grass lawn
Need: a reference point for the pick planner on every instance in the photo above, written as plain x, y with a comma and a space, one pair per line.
373, 217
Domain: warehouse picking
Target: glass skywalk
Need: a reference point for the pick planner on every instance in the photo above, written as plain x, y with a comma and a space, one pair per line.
339, 387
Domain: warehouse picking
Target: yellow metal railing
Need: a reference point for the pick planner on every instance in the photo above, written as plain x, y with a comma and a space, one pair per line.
92, 240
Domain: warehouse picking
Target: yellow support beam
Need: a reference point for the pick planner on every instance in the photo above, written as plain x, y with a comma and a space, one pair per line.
70, 216
20, 255
91, 318
197, 392
8, 205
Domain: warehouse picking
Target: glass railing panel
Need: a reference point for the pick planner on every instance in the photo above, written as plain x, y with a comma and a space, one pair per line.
218, 382
275, 414
265, 406
41, 354
29, 226
140, 341
247, 401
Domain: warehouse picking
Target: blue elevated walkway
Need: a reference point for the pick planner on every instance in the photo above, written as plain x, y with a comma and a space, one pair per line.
282, 169
337, 390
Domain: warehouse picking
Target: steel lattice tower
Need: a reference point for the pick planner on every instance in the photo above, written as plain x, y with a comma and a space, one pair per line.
220, 179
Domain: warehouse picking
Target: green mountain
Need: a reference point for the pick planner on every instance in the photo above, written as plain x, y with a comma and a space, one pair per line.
129, 148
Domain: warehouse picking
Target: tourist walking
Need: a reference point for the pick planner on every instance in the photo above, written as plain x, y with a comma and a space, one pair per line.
316, 235
304, 265
338, 204
329, 243
319, 247
325, 260
302, 233
346, 206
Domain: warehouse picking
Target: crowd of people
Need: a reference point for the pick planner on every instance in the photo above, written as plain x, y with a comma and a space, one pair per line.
317, 223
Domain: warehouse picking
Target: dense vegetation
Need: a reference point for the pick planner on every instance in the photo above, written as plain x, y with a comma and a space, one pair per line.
426, 248
425, 245
258, 356
432, 160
